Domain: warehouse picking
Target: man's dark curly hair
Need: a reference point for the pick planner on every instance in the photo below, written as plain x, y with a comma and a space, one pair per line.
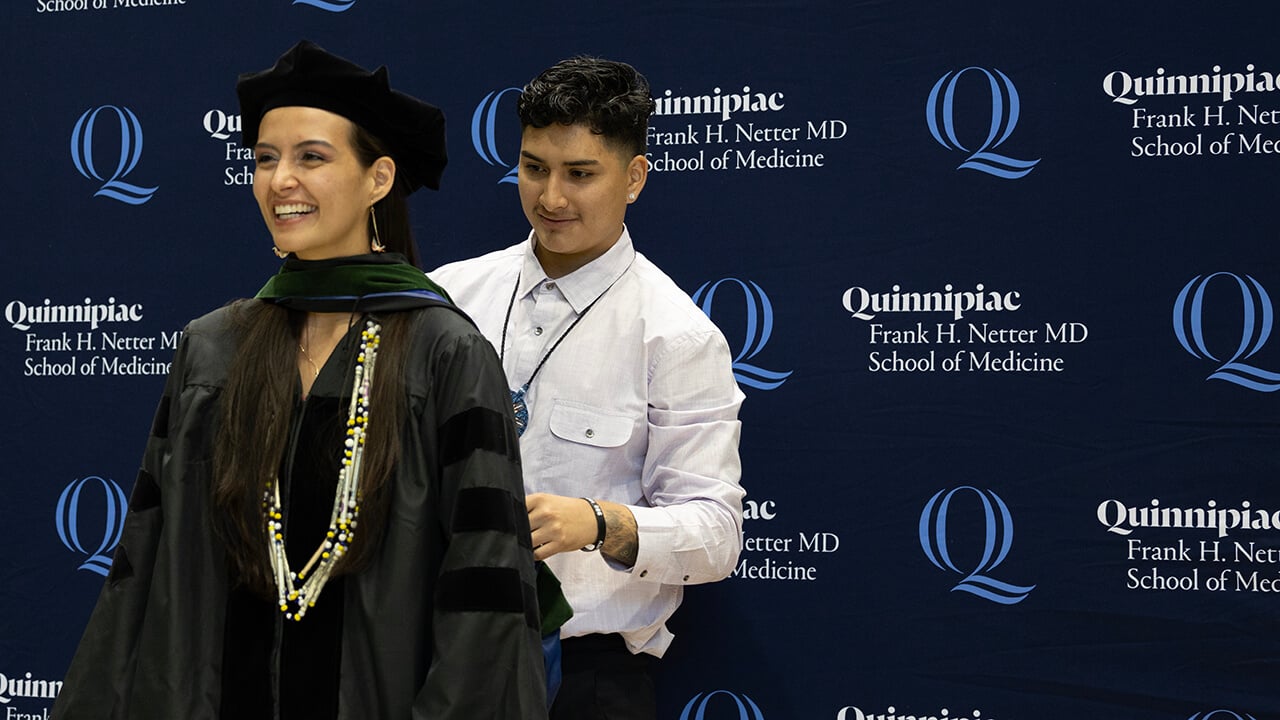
609, 97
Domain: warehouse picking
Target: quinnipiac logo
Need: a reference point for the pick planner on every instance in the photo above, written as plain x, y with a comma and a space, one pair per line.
745, 707
939, 535
26, 686
220, 125
328, 5
484, 132
83, 140
1003, 112
759, 327
75, 521
1256, 320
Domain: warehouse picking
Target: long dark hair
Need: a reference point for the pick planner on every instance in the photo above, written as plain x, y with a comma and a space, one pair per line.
256, 409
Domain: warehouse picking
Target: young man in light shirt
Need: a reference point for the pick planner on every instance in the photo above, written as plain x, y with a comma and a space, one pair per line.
623, 389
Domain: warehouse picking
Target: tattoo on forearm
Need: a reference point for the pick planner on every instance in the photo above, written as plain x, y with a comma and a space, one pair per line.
622, 541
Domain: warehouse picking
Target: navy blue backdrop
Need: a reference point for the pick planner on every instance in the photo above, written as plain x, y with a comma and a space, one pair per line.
999, 277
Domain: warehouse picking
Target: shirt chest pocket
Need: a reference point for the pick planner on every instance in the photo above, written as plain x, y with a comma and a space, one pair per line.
588, 425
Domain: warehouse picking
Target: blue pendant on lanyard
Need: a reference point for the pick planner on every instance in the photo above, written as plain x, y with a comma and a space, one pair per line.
519, 406
521, 409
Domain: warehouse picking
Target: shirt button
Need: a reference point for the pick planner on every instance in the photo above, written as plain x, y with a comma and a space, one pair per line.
591, 433
537, 331
644, 573
551, 286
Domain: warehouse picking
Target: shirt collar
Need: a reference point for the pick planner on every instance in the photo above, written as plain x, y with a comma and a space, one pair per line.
582, 286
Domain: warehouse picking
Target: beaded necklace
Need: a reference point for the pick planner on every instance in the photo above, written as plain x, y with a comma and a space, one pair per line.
294, 598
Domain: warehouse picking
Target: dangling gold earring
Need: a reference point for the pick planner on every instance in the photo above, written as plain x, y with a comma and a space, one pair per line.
376, 245
279, 253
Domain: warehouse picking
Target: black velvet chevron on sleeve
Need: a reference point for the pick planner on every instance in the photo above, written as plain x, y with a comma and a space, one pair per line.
146, 492
475, 428
487, 589
482, 509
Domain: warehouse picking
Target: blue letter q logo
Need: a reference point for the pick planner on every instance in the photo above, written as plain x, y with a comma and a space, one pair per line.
759, 328
130, 151
998, 530
1256, 324
484, 124
741, 702
68, 522
1002, 92
330, 6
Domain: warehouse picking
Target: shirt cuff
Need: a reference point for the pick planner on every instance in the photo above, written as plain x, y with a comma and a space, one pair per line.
657, 532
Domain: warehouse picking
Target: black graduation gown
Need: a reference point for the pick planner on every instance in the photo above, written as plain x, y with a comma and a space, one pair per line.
443, 624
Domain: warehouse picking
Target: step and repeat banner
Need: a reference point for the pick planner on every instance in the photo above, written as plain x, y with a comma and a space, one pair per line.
1000, 281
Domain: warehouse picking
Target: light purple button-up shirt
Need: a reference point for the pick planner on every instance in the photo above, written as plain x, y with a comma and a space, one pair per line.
637, 405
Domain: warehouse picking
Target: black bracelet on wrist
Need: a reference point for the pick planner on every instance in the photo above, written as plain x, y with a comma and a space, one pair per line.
600, 527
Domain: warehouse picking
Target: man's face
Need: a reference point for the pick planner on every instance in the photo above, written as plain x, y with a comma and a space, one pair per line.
575, 188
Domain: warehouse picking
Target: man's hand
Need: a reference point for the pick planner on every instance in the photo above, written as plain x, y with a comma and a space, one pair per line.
565, 524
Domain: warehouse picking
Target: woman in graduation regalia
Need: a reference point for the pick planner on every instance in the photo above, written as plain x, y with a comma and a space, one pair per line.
329, 520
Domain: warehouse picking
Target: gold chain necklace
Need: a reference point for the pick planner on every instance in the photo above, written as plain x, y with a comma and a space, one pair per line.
315, 369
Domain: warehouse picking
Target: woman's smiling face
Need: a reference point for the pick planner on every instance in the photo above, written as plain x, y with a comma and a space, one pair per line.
313, 192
